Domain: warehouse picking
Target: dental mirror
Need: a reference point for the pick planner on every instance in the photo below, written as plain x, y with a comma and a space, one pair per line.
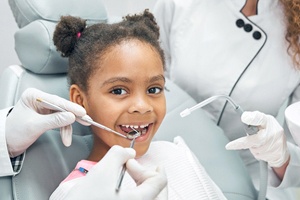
133, 134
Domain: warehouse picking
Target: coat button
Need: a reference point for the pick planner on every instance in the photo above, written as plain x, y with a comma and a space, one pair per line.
240, 23
248, 27
256, 35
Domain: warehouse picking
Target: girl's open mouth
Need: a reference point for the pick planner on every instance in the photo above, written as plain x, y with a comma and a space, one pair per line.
140, 128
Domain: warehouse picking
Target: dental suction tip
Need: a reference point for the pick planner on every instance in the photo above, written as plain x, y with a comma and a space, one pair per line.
185, 113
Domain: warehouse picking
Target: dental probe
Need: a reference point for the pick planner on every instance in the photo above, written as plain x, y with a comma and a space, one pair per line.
133, 134
250, 130
85, 118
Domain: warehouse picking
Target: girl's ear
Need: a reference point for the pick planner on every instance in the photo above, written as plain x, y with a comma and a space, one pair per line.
77, 95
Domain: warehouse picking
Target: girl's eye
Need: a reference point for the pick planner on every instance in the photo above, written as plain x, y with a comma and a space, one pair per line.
118, 91
154, 90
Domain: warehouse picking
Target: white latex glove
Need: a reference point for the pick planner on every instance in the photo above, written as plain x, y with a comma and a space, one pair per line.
100, 182
149, 182
29, 119
269, 144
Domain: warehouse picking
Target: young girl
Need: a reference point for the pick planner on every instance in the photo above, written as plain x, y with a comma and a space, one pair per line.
116, 72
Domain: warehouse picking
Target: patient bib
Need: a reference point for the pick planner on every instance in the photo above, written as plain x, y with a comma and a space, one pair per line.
187, 179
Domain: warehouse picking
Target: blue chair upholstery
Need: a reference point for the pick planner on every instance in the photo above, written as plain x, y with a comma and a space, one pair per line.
47, 161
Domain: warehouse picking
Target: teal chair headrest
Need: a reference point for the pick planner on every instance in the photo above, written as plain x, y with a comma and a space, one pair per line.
37, 20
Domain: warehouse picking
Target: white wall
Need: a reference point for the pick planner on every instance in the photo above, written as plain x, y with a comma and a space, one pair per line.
9, 27
124, 7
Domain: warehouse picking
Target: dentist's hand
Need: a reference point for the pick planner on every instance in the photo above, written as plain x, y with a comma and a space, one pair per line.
100, 182
29, 119
151, 184
269, 144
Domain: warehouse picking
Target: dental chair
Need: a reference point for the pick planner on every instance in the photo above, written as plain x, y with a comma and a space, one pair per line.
48, 161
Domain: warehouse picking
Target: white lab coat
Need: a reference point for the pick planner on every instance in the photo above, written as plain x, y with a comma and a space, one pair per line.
207, 54
5, 163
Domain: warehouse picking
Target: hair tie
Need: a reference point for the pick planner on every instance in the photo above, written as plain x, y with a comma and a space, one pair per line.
78, 35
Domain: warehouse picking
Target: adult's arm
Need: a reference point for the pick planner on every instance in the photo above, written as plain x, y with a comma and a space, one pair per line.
5, 162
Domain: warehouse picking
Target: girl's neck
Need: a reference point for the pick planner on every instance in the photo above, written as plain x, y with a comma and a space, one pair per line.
250, 8
98, 151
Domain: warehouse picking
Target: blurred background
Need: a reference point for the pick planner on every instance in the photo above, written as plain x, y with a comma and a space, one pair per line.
9, 27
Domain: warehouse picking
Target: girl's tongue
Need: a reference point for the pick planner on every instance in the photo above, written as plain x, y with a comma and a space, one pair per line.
126, 129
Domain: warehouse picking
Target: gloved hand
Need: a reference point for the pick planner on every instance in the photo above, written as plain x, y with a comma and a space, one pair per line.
269, 144
29, 119
100, 182
150, 183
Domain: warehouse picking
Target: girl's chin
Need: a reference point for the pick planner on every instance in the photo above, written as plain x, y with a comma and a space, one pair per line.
140, 151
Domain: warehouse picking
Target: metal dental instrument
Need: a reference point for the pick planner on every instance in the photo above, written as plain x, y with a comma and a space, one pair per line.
84, 118
133, 134
250, 130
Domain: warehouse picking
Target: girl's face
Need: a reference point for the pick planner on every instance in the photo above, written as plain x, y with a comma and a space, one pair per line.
126, 91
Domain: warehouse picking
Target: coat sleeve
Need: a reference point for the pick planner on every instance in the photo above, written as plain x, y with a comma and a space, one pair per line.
5, 163
290, 179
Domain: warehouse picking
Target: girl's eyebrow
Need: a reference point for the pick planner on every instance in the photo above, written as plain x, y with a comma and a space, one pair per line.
159, 77
116, 79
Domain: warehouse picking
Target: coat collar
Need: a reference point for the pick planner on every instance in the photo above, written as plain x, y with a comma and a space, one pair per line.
263, 5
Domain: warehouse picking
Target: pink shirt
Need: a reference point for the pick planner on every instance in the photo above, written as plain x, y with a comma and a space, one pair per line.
76, 173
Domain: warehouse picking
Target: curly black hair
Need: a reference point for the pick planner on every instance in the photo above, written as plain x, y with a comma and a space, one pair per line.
85, 46
291, 9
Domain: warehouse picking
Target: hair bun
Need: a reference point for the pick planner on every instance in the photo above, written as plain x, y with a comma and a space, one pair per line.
67, 33
147, 18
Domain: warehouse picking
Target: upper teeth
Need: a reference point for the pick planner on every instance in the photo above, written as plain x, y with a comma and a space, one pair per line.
136, 126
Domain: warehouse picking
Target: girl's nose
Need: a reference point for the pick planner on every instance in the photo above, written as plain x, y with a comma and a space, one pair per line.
140, 104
